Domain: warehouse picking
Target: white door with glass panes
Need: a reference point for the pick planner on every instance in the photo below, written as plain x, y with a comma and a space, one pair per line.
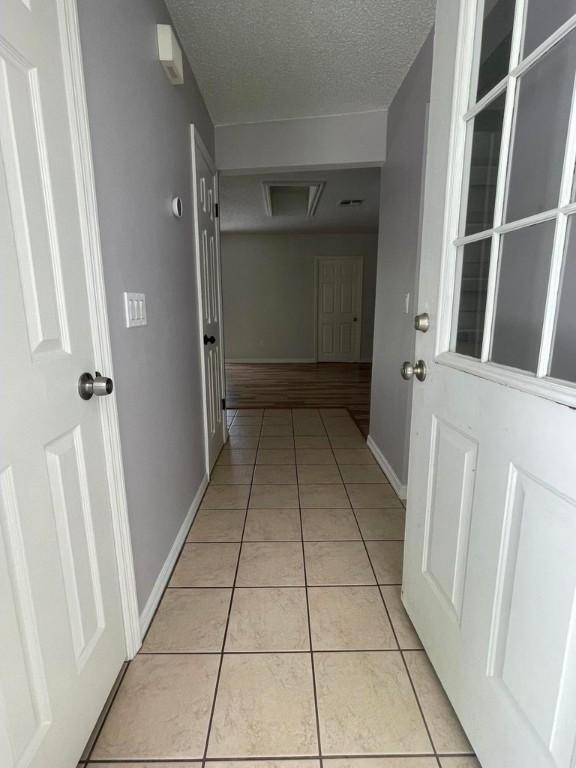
490, 555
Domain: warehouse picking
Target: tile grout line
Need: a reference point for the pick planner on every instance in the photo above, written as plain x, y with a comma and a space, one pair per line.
420, 709
313, 667
272, 758
225, 635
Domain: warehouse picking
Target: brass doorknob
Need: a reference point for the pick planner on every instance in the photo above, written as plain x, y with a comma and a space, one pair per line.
409, 370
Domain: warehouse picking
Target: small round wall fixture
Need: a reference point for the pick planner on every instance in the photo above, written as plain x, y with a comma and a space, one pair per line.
177, 207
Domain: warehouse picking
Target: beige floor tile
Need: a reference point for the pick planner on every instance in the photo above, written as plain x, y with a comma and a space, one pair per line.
274, 496
276, 429
325, 474
342, 427
162, 709
314, 456
305, 763
271, 412
329, 525
347, 441
445, 729
275, 457
273, 474
264, 706
382, 523
206, 565
372, 495
250, 411
357, 456
324, 496
362, 473
242, 441
236, 474
248, 421
459, 762
217, 525
273, 525
349, 618
276, 443
386, 558
271, 564
189, 621
311, 428
245, 429
237, 456
405, 632
337, 563
317, 442
328, 413
272, 619
382, 762
366, 705
163, 764
226, 497
305, 412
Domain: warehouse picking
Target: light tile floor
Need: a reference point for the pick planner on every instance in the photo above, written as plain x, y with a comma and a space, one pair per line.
281, 641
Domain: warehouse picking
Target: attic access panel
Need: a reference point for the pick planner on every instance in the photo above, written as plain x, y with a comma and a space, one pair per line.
292, 198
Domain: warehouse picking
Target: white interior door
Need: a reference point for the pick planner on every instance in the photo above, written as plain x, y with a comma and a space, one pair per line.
339, 309
61, 630
207, 245
490, 559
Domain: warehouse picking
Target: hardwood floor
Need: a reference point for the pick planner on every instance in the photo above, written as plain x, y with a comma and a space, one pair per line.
300, 385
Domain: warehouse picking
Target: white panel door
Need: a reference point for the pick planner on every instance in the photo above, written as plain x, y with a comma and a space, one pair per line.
339, 305
490, 554
61, 631
207, 242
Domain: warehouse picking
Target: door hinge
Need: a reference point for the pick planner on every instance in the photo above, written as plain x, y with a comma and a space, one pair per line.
223, 403
216, 210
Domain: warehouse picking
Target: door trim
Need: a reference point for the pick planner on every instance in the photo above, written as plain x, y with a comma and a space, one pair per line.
197, 145
360, 259
92, 252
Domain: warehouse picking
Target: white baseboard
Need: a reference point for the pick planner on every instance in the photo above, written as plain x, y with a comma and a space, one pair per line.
271, 360
387, 468
164, 575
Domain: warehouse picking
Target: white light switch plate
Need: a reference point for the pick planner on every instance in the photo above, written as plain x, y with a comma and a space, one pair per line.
135, 309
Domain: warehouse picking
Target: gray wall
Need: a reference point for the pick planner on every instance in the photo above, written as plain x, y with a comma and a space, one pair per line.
140, 138
268, 292
399, 234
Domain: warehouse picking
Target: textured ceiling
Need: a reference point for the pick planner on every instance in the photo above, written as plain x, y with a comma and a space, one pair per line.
272, 59
242, 203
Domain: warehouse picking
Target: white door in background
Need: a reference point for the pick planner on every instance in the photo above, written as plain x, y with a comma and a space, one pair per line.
61, 630
339, 306
207, 247
490, 554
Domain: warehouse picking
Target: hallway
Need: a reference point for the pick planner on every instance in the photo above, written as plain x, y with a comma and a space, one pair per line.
281, 634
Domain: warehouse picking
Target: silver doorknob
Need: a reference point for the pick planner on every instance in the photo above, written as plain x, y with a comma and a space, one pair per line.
89, 385
422, 322
417, 369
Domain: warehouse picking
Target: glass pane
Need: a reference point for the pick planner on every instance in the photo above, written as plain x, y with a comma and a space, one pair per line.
564, 351
496, 40
543, 109
486, 137
521, 297
472, 307
544, 17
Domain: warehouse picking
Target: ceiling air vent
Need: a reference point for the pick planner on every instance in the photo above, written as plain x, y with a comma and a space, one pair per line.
350, 203
292, 198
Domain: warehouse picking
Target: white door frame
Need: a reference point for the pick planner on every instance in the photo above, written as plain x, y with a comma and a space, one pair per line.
317, 260
92, 253
197, 145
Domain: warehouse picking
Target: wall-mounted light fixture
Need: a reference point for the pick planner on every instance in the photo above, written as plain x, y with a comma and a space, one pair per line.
170, 54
